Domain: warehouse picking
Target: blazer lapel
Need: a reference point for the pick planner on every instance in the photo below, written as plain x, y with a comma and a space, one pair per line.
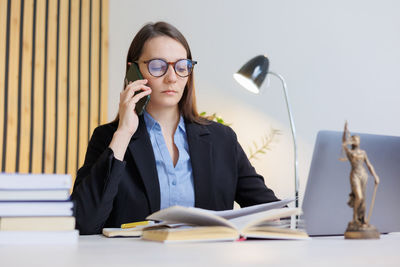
142, 152
200, 149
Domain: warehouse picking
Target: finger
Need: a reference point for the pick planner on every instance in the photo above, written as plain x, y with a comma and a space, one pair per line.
131, 99
131, 104
140, 95
127, 83
131, 89
135, 91
138, 82
135, 85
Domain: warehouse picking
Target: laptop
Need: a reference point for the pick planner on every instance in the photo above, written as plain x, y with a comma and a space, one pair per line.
325, 209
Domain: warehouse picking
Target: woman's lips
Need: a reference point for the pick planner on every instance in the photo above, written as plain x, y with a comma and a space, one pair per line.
169, 92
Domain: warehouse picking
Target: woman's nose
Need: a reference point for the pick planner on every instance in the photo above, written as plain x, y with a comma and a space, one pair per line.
171, 75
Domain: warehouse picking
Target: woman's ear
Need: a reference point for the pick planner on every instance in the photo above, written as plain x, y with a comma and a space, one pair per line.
129, 63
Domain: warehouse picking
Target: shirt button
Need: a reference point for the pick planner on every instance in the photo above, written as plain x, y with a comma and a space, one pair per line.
173, 182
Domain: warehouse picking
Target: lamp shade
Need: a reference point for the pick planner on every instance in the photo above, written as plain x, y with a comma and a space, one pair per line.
253, 73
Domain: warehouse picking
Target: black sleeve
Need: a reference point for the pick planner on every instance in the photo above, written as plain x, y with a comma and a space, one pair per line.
96, 183
251, 189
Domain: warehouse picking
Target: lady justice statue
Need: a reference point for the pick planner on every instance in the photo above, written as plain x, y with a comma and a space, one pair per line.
359, 227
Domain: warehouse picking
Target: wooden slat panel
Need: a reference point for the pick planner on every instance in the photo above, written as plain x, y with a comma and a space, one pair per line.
94, 74
88, 68
62, 88
12, 101
50, 87
3, 35
26, 87
84, 82
104, 63
37, 145
73, 89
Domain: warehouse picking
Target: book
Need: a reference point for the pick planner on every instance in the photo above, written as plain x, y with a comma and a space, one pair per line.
133, 229
34, 195
120, 232
27, 209
137, 231
195, 224
10, 181
37, 223
38, 237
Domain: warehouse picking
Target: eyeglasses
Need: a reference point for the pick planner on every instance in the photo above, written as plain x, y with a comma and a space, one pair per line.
158, 67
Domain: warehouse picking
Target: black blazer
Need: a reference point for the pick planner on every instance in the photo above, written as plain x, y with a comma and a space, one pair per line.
108, 192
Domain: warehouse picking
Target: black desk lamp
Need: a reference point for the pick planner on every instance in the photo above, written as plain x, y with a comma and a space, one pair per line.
251, 77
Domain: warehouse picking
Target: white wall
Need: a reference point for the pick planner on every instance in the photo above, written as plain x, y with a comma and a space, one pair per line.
341, 60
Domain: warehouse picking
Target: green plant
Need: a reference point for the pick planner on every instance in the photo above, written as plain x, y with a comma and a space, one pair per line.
265, 144
214, 117
255, 150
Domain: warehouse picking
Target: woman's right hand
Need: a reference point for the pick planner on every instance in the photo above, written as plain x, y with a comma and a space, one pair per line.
128, 119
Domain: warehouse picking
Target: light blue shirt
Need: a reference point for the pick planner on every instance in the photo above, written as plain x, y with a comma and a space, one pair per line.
176, 183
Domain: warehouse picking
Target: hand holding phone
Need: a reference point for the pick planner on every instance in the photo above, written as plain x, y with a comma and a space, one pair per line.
132, 75
134, 92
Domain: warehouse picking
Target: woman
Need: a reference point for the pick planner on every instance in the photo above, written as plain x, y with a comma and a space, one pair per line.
168, 156
358, 177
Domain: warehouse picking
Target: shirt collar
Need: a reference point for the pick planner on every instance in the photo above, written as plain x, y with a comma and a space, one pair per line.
151, 122
181, 124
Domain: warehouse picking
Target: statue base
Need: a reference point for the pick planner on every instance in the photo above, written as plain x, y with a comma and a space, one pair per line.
361, 231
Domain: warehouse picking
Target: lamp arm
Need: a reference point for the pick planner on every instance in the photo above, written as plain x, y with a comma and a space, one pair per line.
292, 127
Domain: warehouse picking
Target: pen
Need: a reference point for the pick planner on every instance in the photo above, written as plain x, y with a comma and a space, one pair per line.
134, 224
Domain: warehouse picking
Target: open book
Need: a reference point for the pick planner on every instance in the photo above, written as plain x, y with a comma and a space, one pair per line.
195, 224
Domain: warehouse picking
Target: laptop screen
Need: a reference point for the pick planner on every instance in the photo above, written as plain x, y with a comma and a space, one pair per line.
325, 208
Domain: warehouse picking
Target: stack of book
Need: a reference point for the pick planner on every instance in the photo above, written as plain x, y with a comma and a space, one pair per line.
36, 208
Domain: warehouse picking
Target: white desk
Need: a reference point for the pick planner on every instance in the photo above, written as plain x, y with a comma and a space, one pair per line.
101, 251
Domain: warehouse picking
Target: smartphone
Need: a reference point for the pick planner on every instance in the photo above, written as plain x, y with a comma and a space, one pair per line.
132, 75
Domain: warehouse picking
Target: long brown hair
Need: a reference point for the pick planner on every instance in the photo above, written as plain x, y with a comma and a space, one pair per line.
187, 104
